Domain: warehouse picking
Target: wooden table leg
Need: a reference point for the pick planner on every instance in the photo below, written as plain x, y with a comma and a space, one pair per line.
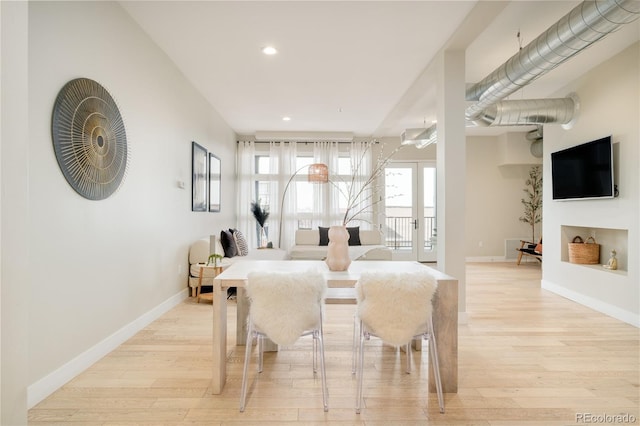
219, 338
445, 324
242, 313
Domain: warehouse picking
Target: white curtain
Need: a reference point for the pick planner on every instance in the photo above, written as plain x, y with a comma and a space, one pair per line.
283, 163
246, 191
327, 198
360, 189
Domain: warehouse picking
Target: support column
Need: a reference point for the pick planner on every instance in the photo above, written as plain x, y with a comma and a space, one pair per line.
451, 170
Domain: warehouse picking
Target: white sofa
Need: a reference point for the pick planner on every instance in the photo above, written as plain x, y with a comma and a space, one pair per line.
199, 253
307, 246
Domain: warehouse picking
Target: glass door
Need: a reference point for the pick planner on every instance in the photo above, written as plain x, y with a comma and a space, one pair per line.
427, 252
409, 213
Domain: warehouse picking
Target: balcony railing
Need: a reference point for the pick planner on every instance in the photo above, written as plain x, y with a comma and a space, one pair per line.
399, 231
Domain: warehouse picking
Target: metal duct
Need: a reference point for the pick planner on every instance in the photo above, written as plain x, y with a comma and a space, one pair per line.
428, 137
585, 24
536, 148
409, 136
529, 111
420, 137
535, 135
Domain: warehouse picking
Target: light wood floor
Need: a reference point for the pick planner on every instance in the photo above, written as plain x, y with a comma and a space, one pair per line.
527, 357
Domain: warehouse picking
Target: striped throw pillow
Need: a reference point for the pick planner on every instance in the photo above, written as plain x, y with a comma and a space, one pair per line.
241, 242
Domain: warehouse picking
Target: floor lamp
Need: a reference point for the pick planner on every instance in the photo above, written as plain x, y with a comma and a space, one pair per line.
316, 173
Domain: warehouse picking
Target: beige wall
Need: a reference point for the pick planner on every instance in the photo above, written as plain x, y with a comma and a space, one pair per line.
610, 105
102, 268
495, 186
14, 251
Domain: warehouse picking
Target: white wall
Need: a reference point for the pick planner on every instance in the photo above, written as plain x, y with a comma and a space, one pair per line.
101, 265
14, 289
495, 184
609, 99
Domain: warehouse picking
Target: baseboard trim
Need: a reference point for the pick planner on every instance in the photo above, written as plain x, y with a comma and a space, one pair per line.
595, 304
44, 387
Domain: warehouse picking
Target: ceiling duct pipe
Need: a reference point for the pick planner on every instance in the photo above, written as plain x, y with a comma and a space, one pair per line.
530, 111
535, 135
584, 25
420, 137
428, 137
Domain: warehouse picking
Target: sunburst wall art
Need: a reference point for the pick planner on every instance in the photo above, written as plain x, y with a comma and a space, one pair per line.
89, 139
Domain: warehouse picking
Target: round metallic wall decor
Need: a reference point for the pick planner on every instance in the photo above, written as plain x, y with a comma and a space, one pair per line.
89, 139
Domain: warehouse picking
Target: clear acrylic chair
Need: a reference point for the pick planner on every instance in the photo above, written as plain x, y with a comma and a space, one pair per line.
284, 307
397, 308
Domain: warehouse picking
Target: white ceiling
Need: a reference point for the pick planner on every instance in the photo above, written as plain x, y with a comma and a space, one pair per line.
349, 66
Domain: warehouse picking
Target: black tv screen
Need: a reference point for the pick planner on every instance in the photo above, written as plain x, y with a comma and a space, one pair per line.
583, 171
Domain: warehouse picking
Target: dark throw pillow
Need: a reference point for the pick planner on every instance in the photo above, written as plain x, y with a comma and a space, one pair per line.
354, 236
228, 244
324, 236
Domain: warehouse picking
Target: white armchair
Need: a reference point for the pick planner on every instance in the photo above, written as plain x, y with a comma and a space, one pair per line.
199, 253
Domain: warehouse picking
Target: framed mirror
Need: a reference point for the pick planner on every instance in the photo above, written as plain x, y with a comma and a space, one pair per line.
199, 178
214, 183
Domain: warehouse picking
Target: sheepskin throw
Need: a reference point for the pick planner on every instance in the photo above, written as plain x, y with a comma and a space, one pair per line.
395, 306
285, 304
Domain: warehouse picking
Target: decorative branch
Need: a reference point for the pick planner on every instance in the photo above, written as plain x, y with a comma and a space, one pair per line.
358, 196
260, 214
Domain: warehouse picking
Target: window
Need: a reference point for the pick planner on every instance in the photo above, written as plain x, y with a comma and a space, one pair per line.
306, 205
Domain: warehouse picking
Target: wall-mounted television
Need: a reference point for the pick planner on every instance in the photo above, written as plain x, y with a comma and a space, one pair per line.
584, 171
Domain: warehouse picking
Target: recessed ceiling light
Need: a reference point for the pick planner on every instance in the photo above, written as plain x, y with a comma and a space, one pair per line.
269, 50
286, 118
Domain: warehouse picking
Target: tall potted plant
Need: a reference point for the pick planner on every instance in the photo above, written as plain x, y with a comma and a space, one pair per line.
532, 203
261, 214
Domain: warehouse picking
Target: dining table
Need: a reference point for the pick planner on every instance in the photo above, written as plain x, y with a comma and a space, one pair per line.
340, 289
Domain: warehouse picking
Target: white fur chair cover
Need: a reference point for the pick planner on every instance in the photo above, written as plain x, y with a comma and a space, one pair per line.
285, 304
395, 306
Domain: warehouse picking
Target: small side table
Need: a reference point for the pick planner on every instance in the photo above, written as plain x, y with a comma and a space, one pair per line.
216, 270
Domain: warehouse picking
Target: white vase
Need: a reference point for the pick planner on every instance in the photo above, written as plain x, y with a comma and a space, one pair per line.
338, 249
